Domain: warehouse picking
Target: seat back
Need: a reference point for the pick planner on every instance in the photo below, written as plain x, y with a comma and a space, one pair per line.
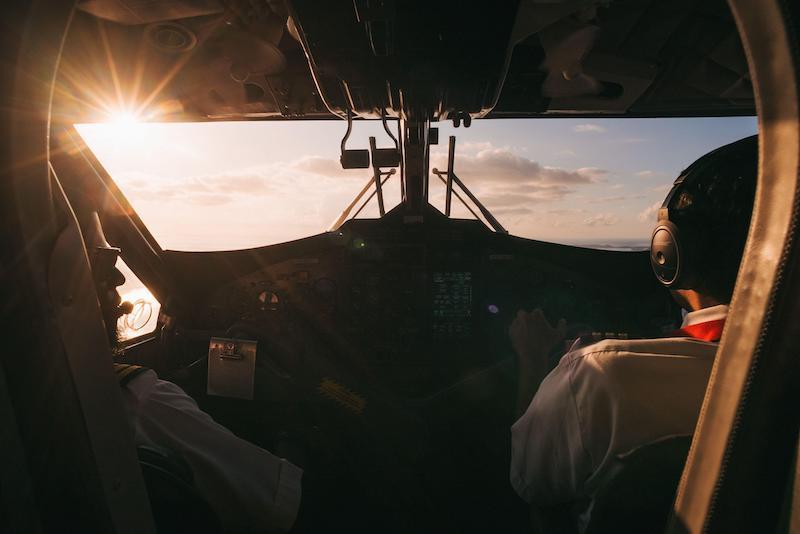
62, 410
640, 489
175, 501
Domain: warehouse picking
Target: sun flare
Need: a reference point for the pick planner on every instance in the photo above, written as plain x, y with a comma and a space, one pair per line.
126, 129
124, 119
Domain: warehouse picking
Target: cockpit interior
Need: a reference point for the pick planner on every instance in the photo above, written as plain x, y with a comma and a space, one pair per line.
375, 352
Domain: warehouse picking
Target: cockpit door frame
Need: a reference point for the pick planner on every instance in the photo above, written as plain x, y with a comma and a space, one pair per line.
744, 450
80, 456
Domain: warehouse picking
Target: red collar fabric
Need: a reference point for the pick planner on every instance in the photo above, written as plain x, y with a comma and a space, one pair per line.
707, 331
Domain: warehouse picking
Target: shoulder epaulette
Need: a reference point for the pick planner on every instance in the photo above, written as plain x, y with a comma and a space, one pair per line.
126, 372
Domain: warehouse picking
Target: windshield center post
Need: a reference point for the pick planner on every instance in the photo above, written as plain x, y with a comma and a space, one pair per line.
416, 161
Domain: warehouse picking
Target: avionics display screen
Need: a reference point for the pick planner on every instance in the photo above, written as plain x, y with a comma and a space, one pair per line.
452, 303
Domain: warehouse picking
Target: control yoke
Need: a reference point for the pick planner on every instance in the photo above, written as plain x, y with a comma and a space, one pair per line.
352, 159
360, 158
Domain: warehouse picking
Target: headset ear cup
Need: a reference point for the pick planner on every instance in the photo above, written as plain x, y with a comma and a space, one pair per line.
667, 255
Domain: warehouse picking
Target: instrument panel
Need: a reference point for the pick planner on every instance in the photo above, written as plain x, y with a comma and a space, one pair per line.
423, 306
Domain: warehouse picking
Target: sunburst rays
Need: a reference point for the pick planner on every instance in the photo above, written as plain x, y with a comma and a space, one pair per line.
111, 73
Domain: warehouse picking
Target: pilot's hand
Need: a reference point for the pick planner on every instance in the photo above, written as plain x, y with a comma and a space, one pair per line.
532, 336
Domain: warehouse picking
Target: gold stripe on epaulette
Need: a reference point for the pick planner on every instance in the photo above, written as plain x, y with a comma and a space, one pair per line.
124, 370
344, 396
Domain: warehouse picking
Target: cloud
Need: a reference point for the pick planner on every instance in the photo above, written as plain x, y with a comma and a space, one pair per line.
500, 179
205, 199
617, 186
494, 165
509, 183
514, 187
645, 174
244, 208
566, 211
513, 210
566, 152
318, 165
650, 213
618, 198
249, 183
593, 173
662, 188
534, 194
293, 179
588, 128
133, 178
601, 219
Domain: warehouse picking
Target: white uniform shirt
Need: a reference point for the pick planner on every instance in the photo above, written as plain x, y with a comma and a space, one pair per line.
247, 487
603, 400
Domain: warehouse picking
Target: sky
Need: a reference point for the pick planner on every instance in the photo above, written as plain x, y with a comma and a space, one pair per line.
232, 185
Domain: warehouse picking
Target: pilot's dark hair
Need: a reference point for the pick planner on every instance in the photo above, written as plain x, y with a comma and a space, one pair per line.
715, 203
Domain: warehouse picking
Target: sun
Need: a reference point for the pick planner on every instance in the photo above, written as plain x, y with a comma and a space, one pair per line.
126, 129
122, 131
124, 119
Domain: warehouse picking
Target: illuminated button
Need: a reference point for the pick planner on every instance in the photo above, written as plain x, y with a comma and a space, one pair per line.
268, 300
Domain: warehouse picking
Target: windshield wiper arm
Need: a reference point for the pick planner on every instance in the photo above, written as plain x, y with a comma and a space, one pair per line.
346, 212
453, 179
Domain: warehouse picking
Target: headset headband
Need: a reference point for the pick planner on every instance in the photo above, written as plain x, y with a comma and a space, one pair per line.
673, 249
690, 175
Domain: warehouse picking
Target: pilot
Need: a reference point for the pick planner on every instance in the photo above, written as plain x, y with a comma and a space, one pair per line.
606, 398
248, 488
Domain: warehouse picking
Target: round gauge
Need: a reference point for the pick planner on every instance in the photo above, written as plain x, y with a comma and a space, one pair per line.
268, 301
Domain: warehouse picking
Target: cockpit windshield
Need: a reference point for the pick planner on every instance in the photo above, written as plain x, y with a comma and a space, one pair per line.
232, 185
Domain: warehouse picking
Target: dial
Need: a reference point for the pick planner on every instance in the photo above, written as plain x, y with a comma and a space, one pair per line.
268, 300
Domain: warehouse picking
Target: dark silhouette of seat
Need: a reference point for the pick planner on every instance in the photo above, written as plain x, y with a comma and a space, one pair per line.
640, 490
636, 497
176, 504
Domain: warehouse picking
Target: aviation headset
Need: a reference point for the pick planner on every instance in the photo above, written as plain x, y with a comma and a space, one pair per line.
676, 245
